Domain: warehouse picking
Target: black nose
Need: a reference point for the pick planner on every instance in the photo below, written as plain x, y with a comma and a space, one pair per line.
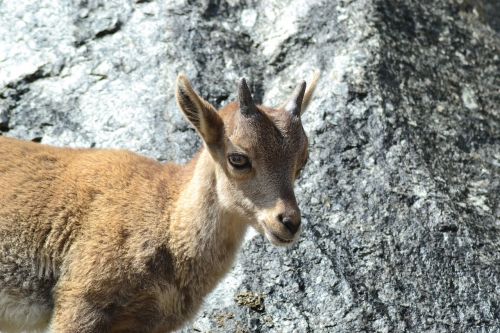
289, 223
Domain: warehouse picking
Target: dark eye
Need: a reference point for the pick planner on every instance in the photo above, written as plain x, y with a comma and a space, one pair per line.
239, 161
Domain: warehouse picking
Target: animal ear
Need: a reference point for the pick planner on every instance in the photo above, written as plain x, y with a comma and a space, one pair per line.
310, 90
294, 104
299, 101
199, 112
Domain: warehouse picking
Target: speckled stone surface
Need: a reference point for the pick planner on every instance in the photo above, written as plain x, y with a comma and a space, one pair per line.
401, 194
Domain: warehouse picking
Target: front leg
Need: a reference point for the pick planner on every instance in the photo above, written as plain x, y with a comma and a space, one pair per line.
88, 291
76, 312
130, 310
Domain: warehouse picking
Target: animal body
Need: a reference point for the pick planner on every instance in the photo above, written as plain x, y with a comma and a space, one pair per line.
109, 241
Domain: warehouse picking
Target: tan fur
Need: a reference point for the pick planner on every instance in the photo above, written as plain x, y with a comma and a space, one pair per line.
109, 241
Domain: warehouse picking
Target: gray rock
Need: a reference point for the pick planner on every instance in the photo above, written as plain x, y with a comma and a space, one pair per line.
400, 197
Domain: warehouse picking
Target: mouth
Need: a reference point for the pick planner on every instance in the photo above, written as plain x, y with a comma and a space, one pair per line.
277, 240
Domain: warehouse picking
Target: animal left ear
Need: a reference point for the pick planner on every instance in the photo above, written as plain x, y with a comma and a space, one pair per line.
199, 112
294, 104
300, 99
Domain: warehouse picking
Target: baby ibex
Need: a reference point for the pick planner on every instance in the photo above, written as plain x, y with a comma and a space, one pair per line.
109, 241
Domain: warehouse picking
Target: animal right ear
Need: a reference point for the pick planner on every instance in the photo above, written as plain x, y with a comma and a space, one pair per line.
199, 112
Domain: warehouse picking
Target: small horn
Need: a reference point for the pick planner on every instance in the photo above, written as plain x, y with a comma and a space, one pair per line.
247, 105
294, 104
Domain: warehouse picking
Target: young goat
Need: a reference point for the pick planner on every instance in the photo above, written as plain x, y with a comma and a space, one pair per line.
109, 241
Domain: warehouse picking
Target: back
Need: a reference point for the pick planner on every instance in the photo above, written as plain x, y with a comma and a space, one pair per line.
24, 163
47, 193
49, 198
28, 172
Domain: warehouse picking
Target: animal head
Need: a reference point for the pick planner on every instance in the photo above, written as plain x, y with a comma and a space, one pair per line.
258, 153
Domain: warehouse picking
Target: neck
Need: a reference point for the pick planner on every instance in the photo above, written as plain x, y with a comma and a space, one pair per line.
204, 236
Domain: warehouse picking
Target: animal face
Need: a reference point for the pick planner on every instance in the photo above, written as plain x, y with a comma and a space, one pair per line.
258, 154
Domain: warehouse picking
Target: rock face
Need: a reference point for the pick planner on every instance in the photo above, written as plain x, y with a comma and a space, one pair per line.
401, 194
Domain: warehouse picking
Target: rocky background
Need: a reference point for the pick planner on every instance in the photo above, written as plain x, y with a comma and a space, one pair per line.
401, 194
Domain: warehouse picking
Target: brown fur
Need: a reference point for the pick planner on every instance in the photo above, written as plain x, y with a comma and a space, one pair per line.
109, 241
